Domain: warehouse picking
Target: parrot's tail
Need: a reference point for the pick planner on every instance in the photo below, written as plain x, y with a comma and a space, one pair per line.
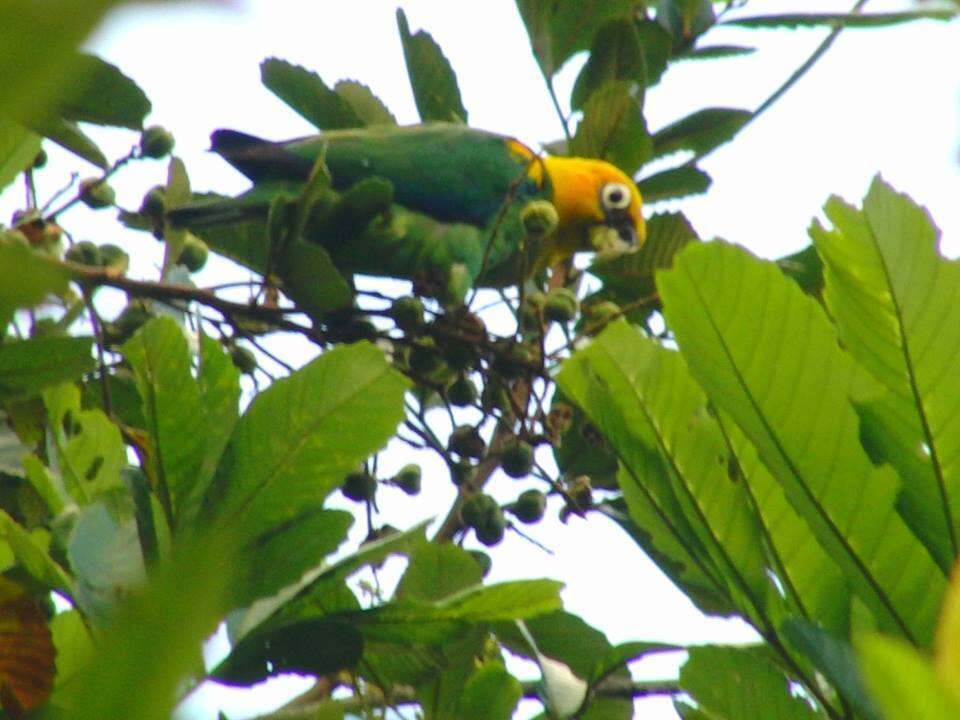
259, 159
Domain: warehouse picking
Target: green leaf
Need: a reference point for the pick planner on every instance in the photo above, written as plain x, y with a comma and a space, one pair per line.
174, 410
367, 106
902, 682
491, 693
512, 600
845, 20
40, 41
643, 400
304, 92
27, 277
73, 644
806, 269
613, 127
184, 594
674, 183
18, 148
28, 366
315, 647
835, 659
92, 455
437, 571
219, 383
732, 683
334, 412
311, 279
67, 135
101, 94
281, 556
32, 556
893, 298
775, 367
615, 55
432, 79
701, 132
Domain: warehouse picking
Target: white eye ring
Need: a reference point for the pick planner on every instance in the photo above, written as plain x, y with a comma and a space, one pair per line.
615, 196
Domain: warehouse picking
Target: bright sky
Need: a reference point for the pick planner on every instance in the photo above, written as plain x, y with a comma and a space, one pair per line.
881, 101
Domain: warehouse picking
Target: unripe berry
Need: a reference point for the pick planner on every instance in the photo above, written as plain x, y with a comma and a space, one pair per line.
408, 479
407, 313
517, 459
83, 253
561, 305
193, 254
462, 392
244, 359
530, 506
156, 142
539, 218
95, 193
465, 441
359, 486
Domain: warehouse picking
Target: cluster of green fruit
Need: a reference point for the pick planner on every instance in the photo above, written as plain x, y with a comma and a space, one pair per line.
486, 517
361, 486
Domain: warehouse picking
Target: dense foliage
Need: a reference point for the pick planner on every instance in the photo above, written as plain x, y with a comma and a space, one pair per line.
780, 437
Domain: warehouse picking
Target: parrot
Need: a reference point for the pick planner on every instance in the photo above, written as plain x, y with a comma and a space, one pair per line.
452, 204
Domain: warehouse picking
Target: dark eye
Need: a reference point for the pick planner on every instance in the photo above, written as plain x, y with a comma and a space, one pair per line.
615, 196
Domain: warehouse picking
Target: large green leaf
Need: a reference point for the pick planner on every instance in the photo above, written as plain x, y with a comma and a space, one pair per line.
368, 107
767, 355
902, 682
616, 54
69, 136
559, 29
643, 400
733, 683
701, 132
436, 571
613, 127
846, 20
38, 47
432, 78
175, 413
18, 148
491, 693
103, 95
27, 366
219, 382
895, 302
30, 552
300, 437
305, 92
27, 277
674, 183
834, 658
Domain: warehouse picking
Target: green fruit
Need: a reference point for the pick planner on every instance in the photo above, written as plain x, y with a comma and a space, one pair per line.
115, 258
597, 315
461, 472
244, 359
483, 560
531, 310
132, 318
96, 194
491, 527
512, 359
517, 459
462, 393
408, 479
193, 254
530, 506
40, 160
153, 202
495, 395
476, 508
539, 218
466, 442
83, 253
561, 305
156, 142
359, 486
424, 359
459, 355
407, 313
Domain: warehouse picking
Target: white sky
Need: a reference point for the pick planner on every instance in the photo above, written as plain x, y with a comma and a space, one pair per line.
881, 101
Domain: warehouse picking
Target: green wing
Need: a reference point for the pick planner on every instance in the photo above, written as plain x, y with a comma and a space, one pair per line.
450, 172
